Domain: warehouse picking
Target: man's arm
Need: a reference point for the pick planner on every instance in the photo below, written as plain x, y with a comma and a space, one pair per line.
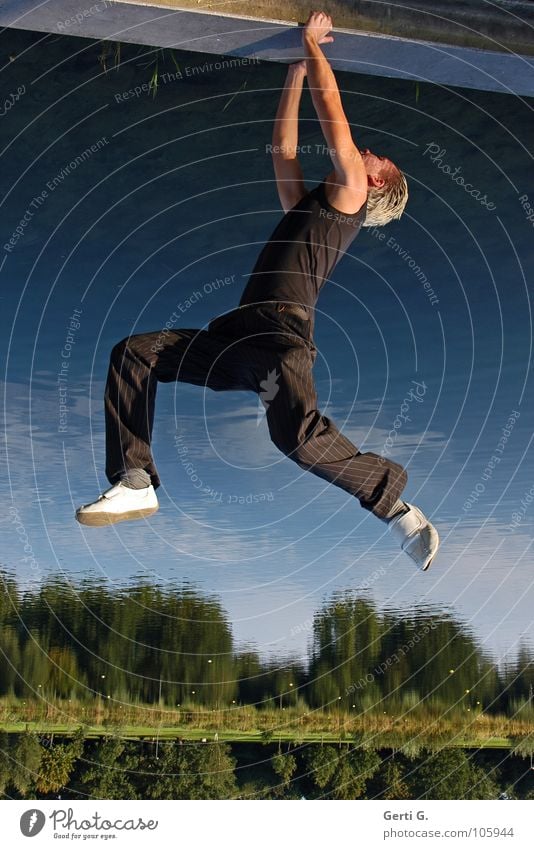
348, 190
289, 179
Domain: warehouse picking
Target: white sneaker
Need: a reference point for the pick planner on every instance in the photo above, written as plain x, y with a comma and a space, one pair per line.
417, 536
119, 504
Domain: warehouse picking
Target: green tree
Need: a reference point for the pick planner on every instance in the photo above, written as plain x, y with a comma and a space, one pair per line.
392, 782
26, 754
354, 769
109, 771
284, 767
449, 774
321, 763
347, 637
5, 762
63, 674
57, 764
192, 771
11, 661
341, 774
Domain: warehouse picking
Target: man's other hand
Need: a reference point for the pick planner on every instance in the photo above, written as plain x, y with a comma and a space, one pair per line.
298, 68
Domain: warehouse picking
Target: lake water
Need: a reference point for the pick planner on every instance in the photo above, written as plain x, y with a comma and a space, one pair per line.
121, 209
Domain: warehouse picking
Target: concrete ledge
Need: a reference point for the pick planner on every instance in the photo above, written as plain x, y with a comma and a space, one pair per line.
206, 32
506, 25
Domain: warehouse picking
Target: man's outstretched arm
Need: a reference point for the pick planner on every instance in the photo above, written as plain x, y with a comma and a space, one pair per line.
349, 188
289, 179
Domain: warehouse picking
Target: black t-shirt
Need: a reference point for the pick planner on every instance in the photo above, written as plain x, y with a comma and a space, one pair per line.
304, 248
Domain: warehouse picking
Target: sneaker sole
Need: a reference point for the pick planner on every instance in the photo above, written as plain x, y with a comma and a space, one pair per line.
428, 565
97, 520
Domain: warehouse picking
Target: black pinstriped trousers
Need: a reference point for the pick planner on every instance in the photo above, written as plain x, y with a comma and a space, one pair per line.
256, 348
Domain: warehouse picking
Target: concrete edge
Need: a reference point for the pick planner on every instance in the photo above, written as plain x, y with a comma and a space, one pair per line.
206, 31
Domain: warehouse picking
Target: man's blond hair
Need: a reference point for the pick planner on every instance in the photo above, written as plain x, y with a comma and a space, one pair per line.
388, 202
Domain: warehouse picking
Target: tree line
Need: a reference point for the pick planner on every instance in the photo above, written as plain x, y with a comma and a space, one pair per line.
33, 767
174, 646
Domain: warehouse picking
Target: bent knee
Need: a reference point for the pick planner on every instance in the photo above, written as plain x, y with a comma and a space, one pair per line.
117, 352
139, 346
282, 443
294, 449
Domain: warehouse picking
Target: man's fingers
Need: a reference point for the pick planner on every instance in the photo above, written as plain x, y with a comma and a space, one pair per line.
320, 24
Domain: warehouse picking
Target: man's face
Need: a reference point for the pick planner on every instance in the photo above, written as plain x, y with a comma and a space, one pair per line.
377, 167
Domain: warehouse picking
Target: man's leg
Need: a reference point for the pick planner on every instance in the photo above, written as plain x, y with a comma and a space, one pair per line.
136, 365
313, 441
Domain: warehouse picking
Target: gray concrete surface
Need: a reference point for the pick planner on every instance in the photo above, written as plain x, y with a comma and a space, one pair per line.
488, 24
207, 32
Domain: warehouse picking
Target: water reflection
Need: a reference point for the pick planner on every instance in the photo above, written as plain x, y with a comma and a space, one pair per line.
171, 645
181, 194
